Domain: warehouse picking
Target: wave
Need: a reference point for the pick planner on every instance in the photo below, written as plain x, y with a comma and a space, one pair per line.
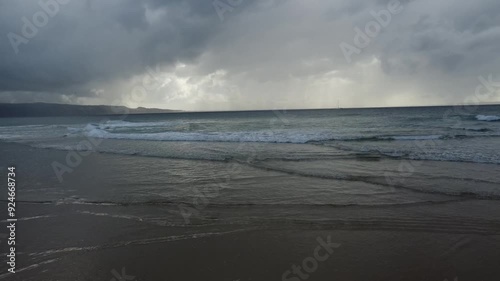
119, 124
44, 126
63, 147
390, 138
8, 137
481, 130
419, 137
372, 152
491, 194
365, 153
29, 267
145, 241
297, 137
488, 118
246, 136
111, 215
116, 124
429, 137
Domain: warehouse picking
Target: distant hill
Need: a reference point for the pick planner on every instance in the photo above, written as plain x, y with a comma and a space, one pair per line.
55, 109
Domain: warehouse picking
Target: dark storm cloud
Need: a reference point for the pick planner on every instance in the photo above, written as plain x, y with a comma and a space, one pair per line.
100, 40
455, 37
235, 54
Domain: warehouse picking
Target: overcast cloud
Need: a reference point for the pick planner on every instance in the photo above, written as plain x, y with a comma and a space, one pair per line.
242, 54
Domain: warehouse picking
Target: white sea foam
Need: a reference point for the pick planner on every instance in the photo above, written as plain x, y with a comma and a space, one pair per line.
111, 215
488, 118
31, 218
255, 136
115, 124
120, 124
32, 266
10, 137
294, 136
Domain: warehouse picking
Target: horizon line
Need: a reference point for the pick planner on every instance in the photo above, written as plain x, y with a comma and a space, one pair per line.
496, 103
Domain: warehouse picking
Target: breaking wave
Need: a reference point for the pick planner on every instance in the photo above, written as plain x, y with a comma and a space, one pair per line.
488, 118
298, 137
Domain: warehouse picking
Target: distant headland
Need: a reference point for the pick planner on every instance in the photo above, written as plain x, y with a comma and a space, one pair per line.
56, 109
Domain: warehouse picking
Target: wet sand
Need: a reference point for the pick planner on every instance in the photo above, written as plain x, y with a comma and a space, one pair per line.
74, 240
73, 247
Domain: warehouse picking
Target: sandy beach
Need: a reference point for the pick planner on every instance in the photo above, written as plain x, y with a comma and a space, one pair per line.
71, 238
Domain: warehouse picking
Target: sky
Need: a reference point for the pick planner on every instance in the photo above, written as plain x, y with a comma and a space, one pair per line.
250, 54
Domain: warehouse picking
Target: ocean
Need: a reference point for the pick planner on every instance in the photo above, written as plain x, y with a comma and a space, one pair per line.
121, 181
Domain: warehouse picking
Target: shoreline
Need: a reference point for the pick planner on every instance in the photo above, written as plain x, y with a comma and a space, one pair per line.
67, 239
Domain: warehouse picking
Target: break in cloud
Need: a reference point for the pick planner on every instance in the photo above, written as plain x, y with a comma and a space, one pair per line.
242, 54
